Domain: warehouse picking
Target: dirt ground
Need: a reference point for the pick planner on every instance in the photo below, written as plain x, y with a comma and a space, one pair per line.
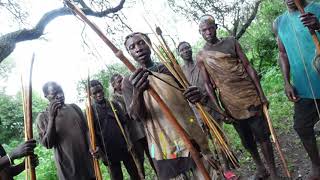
298, 161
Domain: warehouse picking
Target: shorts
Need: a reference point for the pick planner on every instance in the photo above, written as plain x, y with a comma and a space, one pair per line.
305, 116
252, 130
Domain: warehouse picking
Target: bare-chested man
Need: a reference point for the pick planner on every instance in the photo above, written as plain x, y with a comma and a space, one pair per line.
168, 151
297, 51
63, 127
225, 68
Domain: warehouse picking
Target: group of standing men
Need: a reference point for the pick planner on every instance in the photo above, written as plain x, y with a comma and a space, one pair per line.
222, 80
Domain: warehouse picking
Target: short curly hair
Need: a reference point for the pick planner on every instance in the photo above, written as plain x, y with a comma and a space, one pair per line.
183, 42
113, 77
94, 83
46, 86
207, 18
145, 36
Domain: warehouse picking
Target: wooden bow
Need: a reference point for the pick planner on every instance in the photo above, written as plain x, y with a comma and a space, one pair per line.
27, 114
276, 141
93, 144
165, 109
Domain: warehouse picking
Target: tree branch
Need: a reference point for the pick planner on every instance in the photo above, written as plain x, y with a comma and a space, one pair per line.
236, 22
8, 41
250, 19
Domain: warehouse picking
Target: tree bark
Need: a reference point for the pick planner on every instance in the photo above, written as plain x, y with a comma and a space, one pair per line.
8, 41
251, 18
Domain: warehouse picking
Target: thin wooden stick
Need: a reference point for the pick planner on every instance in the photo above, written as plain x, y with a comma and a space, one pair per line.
165, 109
27, 111
93, 144
276, 141
23, 94
30, 131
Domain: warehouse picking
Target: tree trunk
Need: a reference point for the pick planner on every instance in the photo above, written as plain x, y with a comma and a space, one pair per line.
8, 41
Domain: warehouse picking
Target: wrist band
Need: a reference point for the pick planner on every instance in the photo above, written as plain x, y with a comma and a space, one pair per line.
11, 163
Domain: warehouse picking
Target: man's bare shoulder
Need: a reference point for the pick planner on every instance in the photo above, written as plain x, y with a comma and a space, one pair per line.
281, 19
275, 25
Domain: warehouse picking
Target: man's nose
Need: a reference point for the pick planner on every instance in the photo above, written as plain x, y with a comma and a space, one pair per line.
138, 48
59, 95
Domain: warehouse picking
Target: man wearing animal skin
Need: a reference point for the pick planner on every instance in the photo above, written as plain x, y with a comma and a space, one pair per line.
226, 69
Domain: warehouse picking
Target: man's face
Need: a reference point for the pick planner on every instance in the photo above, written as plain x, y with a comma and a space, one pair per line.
185, 51
55, 93
208, 31
97, 93
138, 49
290, 4
116, 84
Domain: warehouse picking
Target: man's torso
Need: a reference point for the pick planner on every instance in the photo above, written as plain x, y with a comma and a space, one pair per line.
71, 150
300, 50
238, 93
108, 128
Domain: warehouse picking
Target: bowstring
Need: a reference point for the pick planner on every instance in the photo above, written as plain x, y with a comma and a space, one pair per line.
304, 65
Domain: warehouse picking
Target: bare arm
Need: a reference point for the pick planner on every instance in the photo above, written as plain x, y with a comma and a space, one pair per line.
284, 62
285, 68
47, 130
17, 169
25, 149
134, 100
251, 72
210, 88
